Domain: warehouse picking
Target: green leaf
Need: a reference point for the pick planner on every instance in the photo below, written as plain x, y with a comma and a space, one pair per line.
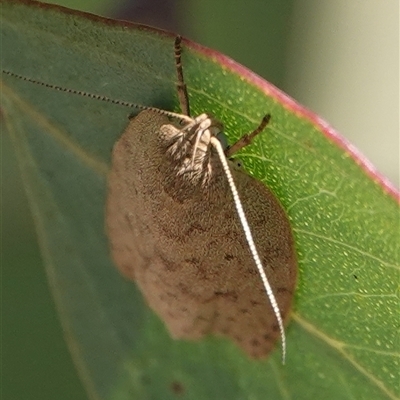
342, 337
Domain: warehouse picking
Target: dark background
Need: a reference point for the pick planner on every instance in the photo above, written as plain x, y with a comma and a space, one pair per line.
341, 59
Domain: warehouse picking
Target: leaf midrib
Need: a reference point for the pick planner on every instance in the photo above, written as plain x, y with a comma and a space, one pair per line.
97, 165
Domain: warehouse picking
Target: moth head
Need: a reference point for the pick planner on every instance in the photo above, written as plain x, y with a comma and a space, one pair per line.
189, 148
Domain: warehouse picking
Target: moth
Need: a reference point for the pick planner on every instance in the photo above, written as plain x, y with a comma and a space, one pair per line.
209, 246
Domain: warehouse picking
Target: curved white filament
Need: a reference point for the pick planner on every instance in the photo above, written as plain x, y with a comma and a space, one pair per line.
249, 237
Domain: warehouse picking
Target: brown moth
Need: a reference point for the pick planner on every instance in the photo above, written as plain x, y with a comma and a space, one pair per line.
195, 231
177, 228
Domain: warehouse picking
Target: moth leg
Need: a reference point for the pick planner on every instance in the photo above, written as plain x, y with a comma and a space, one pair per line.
181, 86
246, 139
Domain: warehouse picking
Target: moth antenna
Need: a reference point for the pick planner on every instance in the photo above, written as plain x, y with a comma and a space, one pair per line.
181, 86
245, 140
249, 237
106, 99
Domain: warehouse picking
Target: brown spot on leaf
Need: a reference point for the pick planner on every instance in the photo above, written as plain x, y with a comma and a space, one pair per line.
177, 388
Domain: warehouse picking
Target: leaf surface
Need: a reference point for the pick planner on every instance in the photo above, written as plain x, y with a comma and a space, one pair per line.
342, 337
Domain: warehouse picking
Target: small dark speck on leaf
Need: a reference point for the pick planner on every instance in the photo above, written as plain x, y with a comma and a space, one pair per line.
177, 387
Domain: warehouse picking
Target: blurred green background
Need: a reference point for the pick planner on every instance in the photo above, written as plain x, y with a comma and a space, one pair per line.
340, 59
